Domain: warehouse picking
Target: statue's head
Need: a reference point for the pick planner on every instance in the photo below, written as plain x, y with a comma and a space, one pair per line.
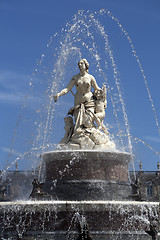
35, 181
83, 61
68, 121
98, 95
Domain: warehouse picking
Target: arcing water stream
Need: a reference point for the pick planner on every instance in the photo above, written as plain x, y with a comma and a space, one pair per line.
86, 36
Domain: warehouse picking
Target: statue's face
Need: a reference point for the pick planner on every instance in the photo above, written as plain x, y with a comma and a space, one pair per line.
82, 65
98, 94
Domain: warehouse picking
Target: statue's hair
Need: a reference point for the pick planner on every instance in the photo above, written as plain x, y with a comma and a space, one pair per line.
99, 95
86, 63
68, 120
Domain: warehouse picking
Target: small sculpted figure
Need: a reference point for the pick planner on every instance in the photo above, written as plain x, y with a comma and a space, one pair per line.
100, 106
2, 191
153, 232
37, 188
89, 108
136, 189
37, 191
69, 126
84, 233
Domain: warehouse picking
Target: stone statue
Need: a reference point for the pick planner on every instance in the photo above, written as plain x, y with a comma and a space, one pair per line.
37, 191
138, 194
85, 234
88, 131
100, 106
153, 232
2, 191
69, 127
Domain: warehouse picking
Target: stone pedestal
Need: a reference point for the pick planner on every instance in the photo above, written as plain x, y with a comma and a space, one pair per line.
87, 175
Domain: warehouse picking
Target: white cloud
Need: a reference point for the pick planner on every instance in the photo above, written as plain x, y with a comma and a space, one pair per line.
10, 151
13, 88
18, 98
10, 79
153, 139
11, 97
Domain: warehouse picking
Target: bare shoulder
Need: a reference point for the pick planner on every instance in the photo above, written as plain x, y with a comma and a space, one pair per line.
91, 77
94, 83
75, 77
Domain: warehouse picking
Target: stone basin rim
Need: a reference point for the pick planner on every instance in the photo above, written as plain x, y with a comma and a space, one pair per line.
87, 151
98, 202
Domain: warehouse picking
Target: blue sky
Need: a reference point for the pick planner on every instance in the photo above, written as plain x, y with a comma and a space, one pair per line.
25, 28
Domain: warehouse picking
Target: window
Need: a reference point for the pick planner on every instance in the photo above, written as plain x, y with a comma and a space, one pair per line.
150, 190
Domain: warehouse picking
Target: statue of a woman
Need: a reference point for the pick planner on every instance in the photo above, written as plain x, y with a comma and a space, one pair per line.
84, 132
83, 82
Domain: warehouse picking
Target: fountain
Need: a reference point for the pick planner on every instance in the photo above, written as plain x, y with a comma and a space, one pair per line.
86, 193
99, 166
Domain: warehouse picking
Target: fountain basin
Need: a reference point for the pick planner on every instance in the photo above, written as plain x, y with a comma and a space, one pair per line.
60, 219
87, 175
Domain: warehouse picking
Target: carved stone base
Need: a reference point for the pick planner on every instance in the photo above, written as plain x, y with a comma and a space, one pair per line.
87, 175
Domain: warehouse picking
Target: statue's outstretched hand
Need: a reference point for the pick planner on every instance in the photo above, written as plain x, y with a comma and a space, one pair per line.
56, 97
